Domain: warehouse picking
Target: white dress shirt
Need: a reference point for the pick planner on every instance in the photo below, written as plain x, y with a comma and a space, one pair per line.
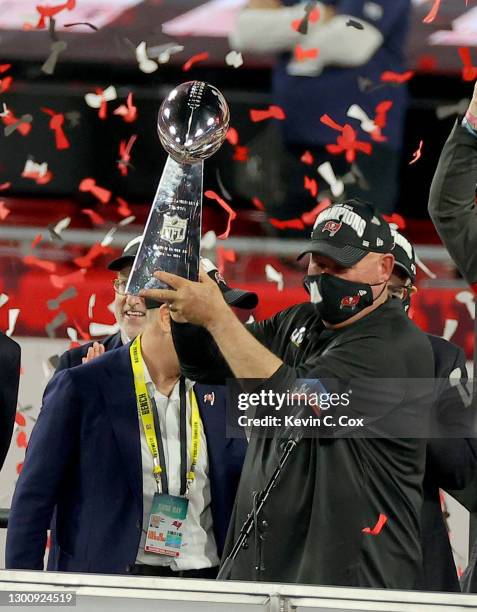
199, 549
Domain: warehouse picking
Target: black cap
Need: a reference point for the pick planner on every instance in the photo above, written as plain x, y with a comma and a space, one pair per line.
128, 255
239, 298
347, 231
404, 255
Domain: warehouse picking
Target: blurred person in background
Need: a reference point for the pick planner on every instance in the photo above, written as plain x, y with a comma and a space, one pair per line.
336, 62
129, 312
453, 211
10, 354
451, 462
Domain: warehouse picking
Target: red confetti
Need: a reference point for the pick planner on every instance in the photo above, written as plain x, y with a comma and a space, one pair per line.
241, 154
258, 204
125, 154
312, 186
95, 251
128, 112
89, 185
56, 124
417, 154
232, 136
52, 11
19, 467
287, 224
224, 256
273, 112
4, 211
380, 120
96, 219
231, 213
304, 54
22, 441
395, 77
309, 218
314, 15
20, 419
4, 186
123, 208
36, 240
376, 530
469, 72
4, 68
429, 18
307, 158
48, 266
59, 282
200, 57
396, 220
346, 143
5, 84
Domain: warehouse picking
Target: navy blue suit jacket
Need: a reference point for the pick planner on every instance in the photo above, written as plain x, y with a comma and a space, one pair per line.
84, 456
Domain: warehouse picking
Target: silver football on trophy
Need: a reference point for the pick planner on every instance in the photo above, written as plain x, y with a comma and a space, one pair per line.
193, 121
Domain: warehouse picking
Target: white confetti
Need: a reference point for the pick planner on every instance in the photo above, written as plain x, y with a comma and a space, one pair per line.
72, 334
94, 100
5, 112
208, 241
337, 186
234, 58
3, 299
146, 65
274, 276
91, 305
127, 220
467, 298
62, 225
367, 124
12, 320
251, 319
101, 329
450, 328
106, 241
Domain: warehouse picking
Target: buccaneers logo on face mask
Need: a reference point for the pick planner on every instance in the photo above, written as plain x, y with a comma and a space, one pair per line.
333, 227
351, 301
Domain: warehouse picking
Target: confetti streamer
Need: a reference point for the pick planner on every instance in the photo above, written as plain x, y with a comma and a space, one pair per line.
234, 59
55, 49
96, 219
89, 185
4, 211
396, 78
450, 327
100, 100
91, 304
376, 530
123, 208
200, 57
12, 320
274, 276
231, 213
22, 125
146, 65
417, 154
301, 54
53, 325
273, 112
101, 329
128, 112
67, 294
56, 124
59, 282
429, 18
125, 154
287, 224
48, 266
469, 71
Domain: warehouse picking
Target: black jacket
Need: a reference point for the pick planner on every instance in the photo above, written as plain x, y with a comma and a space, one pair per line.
73, 357
451, 465
10, 372
333, 488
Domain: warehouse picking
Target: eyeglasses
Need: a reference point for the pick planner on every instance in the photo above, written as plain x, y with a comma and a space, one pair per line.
119, 285
399, 291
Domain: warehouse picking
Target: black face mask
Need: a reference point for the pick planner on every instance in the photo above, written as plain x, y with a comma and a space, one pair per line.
337, 299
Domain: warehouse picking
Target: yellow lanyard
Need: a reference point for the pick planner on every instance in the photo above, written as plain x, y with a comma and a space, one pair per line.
144, 406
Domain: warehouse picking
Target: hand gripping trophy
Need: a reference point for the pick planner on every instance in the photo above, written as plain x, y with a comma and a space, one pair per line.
192, 125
